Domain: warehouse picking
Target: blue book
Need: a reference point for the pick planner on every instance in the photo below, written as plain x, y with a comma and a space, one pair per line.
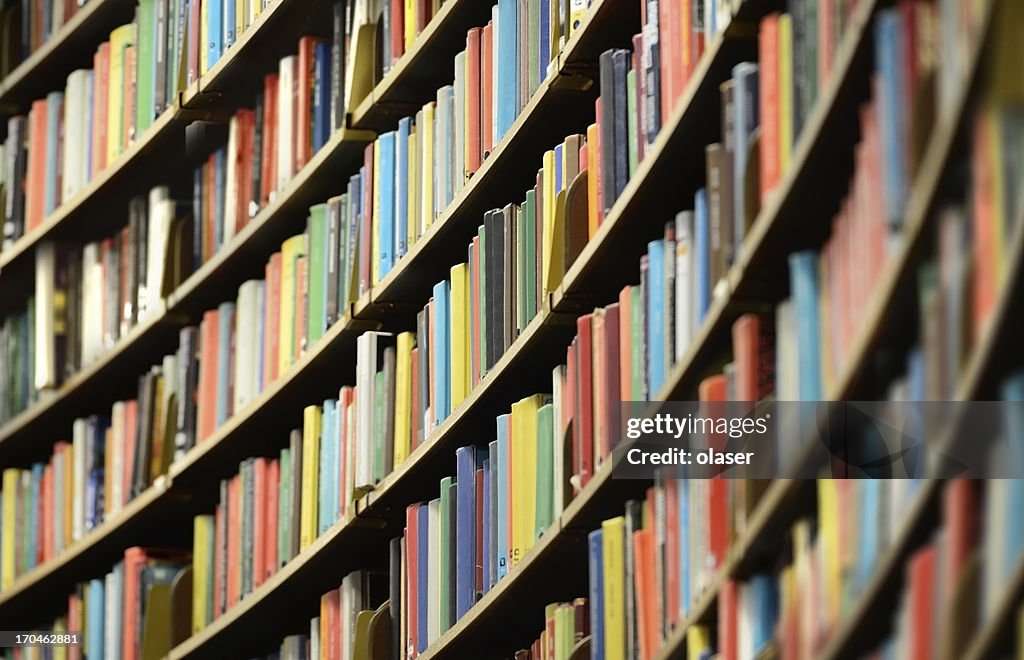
423, 566
746, 77
94, 627
225, 324
229, 23
402, 187
764, 606
544, 40
465, 529
221, 171
501, 444
386, 186
803, 285
702, 244
96, 430
214, 25
486, 540
507, 32
54, 111
328, 476
654, 316
491, 512
558, 167
1012, 390
889, 48
867, 551
440, 352
596, 567
321, 95
684, 545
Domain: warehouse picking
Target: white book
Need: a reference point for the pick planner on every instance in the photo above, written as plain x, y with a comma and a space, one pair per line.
169, 371
442, 163
45, 367
286, 121
117, 432
314, 637
231, 181
459, 125
246, 348
434, 585
259, 324
351, 604
744, 622
367, 354
685, 284
73, 140
79, 430
112, 616
558, 446
161, 215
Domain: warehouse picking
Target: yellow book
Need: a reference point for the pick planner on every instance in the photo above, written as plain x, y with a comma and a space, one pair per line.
554, 256
255, 7
291, 249
698, 640
459, 325
405, 342
60, 626
785, 92
548, 212
8, 541
120, 38
593, 213
828, 521
375, 225
427, 161
310, 476
410, 23
613, 548
413, 205
550, 612
202, 540
565, 631
523, 443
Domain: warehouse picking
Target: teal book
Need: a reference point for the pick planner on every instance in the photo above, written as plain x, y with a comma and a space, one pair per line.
386, 186
545, 514
51, 190
804, 287
327, 508
284, 500
491, 513
446, 579
506, 78
95, 609
402, 188
316, 292
225, 360
441, 352
503, 502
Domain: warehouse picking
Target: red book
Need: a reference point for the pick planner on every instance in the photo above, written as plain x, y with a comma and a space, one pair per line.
611, 379
134, 560
479, 572
270, 538
712, 391
486, 89
330, 617
219, 579
583, 429
768, 51
922, 603
207, 388
423, 14
301, 290
473, 87
598, 190
306, 71
718, 520
366, 224
347, 396
753, 347
672, 568
101, 84
243, 191
261, 495
411, 576
397, 29
674, 44
272, 312
728, 621
598, 375
74, 614
268, 159
233, 578
960, 512
35, 182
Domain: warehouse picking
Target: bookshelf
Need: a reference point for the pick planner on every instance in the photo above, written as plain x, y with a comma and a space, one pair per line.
555, 567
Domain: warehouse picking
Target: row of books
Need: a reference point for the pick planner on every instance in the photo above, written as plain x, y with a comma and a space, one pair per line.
89, 297
128, 613
110, 460
28, 24
565, 626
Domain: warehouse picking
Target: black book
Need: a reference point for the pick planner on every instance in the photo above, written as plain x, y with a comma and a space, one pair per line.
396, 560
620, 66
143, 435
651, 60
608, 145
334, 304
508, 307
295, 506
257, 157
338, 65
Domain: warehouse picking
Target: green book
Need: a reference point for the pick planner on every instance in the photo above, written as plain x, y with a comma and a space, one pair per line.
545, 514
636, 320
379, 400
631, 118
284, 498
145, 56
445, 578
316, 287
529, 241
522, 317
483, 300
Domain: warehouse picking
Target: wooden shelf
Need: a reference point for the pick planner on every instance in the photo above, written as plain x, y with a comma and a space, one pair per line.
69, 48
428, 65
31, 597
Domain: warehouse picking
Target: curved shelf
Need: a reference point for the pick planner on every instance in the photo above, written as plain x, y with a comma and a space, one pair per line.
71, 46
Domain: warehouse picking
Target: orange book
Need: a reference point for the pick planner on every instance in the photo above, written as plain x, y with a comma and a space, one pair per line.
304, 108
268, 159
595, 191
101, 84
272, 517
673, 37
134, 560
922, 603
207, 388
768, 51
473, 86
486, 88
960, 515
347, 401
243, 167
646, 592
330, 620
35, 182
272, 312
261, 495
234, 542
67, 506
728, 621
